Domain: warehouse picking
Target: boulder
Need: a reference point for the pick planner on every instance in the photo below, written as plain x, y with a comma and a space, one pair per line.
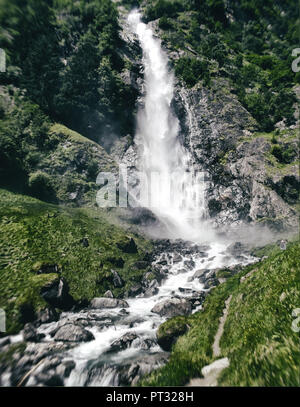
237, 249
177, 258
135, 290
150, 292
108, 294
200, 273
57, 294
189, 264
130, 374
148, 343
117, 280
211, 282
103, 302
168, 332
73, 333
49, 364
30, 333
47, 315
128, 246
123, 343
163, 261
172, 307
65, 369
186, 291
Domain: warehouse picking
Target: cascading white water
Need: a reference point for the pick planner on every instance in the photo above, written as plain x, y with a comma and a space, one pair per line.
174, 192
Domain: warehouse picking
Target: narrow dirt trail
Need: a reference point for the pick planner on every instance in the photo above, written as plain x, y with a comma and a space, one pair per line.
211, 372
218, 336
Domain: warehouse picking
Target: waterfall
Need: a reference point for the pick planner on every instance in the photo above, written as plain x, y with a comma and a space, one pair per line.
171, 189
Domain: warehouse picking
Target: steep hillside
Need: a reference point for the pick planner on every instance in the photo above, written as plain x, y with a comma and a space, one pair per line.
66, 57
42, 244
45, 159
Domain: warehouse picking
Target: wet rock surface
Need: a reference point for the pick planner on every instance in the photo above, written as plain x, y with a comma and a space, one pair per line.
242, 185
124, 342
173, 307
106, 302
73, 333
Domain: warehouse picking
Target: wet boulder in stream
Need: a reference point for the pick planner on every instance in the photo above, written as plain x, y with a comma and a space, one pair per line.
30, 333
172, 307
189, 264
104, 302
73, 333
150, 292
108, 294
177, 258
47, 315
123, 343
135, 290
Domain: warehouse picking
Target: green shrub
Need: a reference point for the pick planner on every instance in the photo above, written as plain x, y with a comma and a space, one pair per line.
284, 155
40, 185
192, 70
165, 23
163, 8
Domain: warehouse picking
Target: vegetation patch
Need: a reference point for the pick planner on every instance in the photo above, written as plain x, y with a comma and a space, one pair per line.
37, 236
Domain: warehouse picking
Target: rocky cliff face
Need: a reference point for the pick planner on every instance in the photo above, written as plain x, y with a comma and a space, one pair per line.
245, 181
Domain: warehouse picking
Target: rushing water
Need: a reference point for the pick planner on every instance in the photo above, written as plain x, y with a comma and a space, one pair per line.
175, 192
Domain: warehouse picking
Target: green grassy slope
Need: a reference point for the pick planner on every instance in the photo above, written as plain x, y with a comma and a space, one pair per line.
34, 233
258, 337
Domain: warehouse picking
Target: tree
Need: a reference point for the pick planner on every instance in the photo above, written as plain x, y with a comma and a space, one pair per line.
32, 45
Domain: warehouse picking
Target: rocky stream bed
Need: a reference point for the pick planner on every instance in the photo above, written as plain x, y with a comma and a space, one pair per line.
111, 341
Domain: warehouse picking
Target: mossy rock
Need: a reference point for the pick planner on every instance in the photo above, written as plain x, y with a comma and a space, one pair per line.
169, 331
127, 245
